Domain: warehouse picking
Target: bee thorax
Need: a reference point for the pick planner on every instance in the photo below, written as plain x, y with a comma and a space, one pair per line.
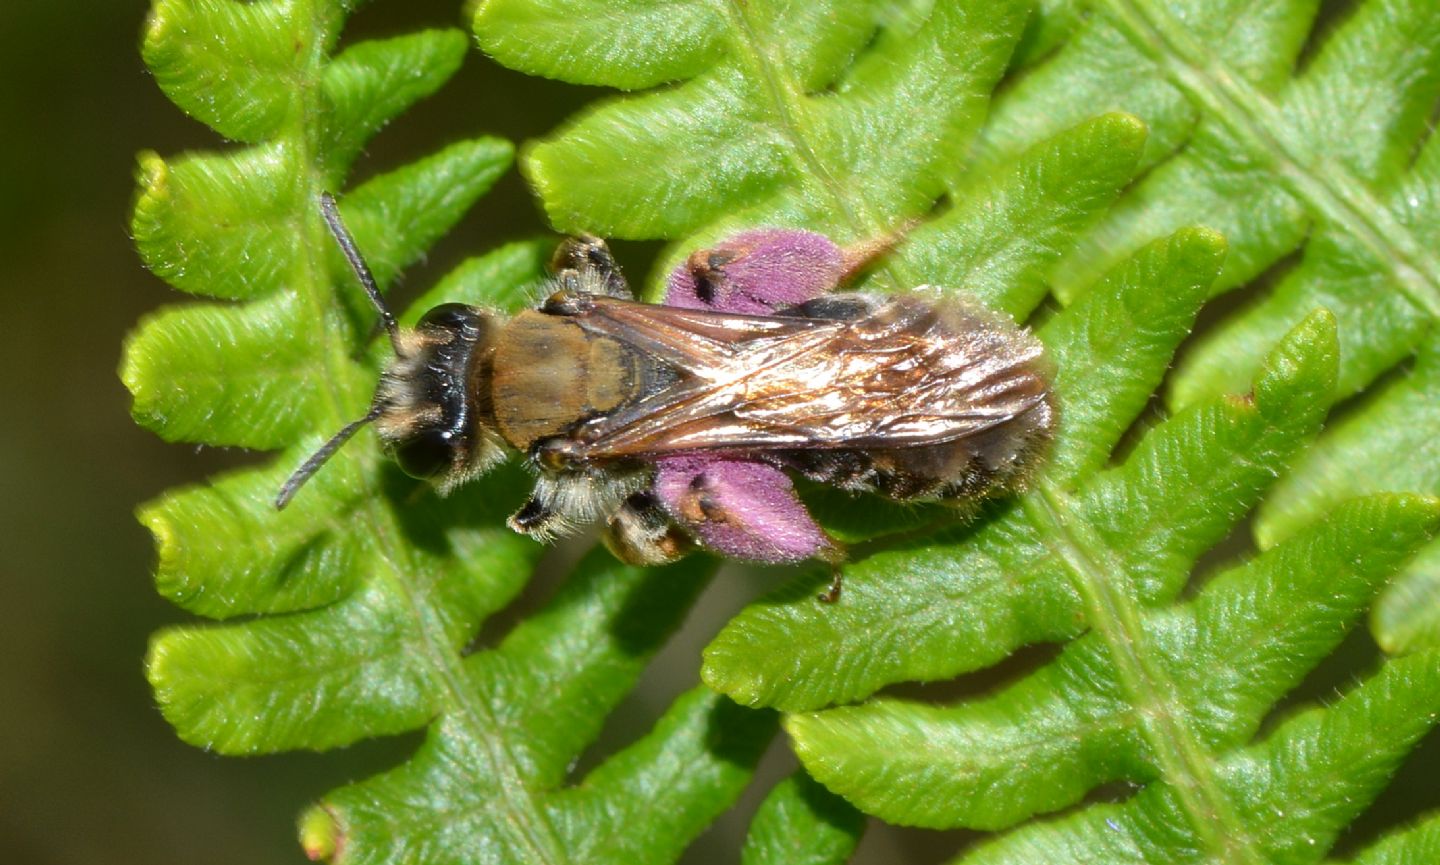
551, 375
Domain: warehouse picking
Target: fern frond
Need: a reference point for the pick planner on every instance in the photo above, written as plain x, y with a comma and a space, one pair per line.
1263, 154
781, 118
1315, 773
857, 119
1388, 443
489, 783
1268, 158
1199, 679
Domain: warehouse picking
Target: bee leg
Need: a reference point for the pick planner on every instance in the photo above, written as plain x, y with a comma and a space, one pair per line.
759, 272
741, 508
835, 557
584, 263
538, 519
642, 533
860, 255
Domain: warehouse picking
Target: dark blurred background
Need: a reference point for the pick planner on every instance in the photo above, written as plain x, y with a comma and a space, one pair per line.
89, 772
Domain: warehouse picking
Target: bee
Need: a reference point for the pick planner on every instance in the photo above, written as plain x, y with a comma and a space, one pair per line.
680, 423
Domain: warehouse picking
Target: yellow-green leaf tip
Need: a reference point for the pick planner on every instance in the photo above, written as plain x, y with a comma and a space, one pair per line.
319, 834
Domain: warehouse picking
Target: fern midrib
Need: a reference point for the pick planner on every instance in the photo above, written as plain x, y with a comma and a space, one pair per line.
1114, 615
526, 823
785, 108
1326, 185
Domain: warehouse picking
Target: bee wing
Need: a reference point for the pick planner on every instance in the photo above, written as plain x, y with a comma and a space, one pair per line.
903, 372
693, 340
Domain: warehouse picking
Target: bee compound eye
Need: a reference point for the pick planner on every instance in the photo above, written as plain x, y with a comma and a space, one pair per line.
453, 317
426, 454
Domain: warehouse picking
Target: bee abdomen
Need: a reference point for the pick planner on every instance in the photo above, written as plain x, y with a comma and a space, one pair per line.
996, 461
846, 469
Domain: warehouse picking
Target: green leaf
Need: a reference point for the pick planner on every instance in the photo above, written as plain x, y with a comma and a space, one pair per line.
1317, 770
1003, 236
1406, 617
1103, 65
1051, 23
1382, 321
1388, 443
241, 87
198, 214
771, 123
490, 774
371, 83
802, 823
643, 45
1218, 662
1268, 155
1414, 846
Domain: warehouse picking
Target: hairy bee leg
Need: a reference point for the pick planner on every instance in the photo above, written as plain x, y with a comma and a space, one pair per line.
759, 272
740, 508
581, 261
642, 533
536, 519
860, 255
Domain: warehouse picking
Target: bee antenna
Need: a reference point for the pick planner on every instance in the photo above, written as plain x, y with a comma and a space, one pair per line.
331, 212
319, 458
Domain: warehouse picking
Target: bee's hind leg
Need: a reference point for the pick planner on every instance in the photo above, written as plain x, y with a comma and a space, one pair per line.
764, 271
583, 262
536, 518
742, 509
832, 592
641, 532
758, 272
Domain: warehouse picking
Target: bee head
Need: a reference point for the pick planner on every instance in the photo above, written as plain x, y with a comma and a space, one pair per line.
431, 407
